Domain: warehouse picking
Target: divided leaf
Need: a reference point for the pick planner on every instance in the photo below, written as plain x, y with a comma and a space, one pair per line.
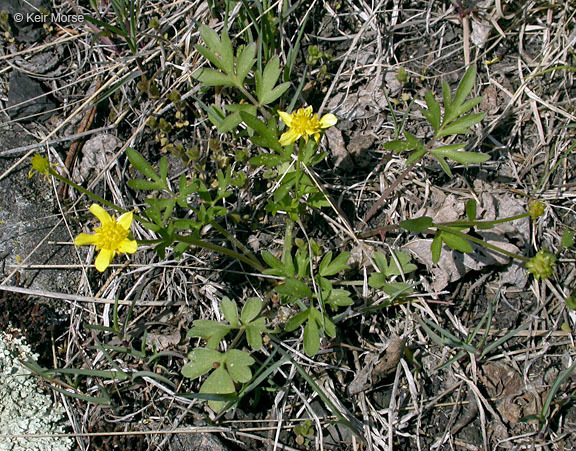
201, 361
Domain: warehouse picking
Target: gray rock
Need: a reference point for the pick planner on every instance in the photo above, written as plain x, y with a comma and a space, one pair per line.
27, 101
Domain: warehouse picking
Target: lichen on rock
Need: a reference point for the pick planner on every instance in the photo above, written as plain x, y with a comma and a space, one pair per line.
25, 408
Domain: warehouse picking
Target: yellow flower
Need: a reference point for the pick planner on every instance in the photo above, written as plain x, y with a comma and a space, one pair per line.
40, 165
303, 123
111, 237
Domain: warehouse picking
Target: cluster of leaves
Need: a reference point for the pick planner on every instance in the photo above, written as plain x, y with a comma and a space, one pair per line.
160, 213
234, 364
456, 120
296, 288
399, 265
233, 70
293, 185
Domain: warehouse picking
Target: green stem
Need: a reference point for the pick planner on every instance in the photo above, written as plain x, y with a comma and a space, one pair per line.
298, 173
222, 250
479, 223
90, 194
482, 243
233, 240
253, 100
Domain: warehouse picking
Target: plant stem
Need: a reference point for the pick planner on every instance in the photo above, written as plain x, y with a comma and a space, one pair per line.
222, 250
90, 194
233, 240
478, 223
482, 243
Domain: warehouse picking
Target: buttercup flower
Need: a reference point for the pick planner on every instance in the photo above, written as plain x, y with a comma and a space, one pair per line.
110, 238
40, 165
304, 123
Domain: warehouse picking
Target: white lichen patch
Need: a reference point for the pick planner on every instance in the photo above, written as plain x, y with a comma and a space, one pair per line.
24, 408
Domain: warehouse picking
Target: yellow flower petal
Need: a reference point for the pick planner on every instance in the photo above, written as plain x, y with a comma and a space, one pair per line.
307, 111
125, 220
289, 137
104, 259
328, 120
101, 214
84, 239
286, 118
128, 246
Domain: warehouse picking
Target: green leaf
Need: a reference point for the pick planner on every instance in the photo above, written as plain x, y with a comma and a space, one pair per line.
218, 383
270, 96
461, 156
416, 155
405, 266
201, 361
399, 146
417, 225
471, 209
456, 242
397, 288
377, 280
245, 61
567, 238
381, 262
226, 53
467, 106
296, 321
145, 185
436, 248
465, 86
311, 338
294, 288
338, 298
222, 54
272, 261
445, 167
237, 364
447, 98
140, 163
461, 126
251, 309
267, 134
254, 338
213, 331
230, 311
268, 160
229, 123
434, 114
329, 268
211, 77
265, 81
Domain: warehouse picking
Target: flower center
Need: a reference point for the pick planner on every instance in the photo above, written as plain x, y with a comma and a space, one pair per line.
109, 236
304, 124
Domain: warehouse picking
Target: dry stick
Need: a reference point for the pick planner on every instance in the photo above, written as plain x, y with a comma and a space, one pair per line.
51, 142
87, 299
386, 193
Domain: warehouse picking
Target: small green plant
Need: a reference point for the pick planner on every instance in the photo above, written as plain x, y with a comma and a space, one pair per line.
456, 119
287, 140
